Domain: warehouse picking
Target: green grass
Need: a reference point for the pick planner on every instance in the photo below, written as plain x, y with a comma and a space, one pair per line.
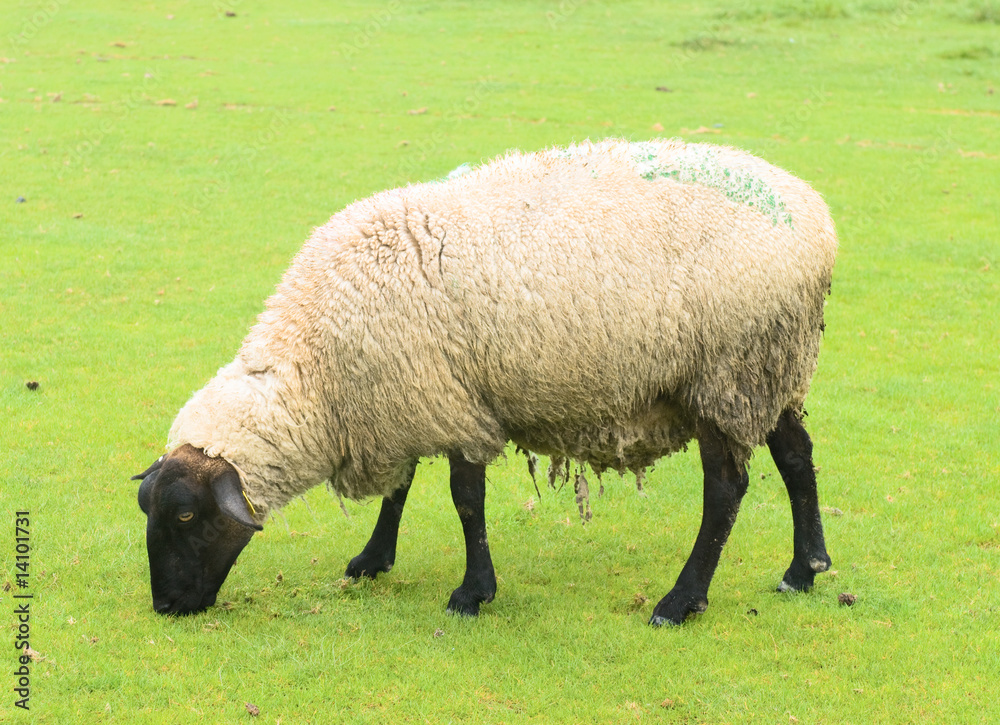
151, 234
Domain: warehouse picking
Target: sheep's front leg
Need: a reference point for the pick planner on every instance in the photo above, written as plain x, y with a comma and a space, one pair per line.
379, 553
468, 491
791, 450
725, 484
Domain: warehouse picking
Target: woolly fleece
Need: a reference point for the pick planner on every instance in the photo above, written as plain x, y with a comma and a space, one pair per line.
597, 303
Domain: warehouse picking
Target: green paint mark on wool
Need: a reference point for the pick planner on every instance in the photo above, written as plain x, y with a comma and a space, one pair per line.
701, 165
460, 170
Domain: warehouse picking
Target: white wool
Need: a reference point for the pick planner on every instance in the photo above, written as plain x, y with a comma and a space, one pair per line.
593, 303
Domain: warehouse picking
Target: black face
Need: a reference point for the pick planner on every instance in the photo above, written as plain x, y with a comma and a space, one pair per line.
197, 524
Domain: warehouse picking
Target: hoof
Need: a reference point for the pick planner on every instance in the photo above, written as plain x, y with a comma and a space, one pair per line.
466, 610
676, 608
657, 621
361, 566
467, 603
800, 575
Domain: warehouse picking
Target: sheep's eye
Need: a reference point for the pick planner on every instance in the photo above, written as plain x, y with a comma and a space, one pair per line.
186, 516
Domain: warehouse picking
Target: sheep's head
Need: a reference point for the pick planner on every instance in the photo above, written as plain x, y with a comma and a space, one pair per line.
198, 522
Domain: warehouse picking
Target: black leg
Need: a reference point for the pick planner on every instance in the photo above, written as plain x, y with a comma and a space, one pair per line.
379, 553
468, 491
792, 452
725, 484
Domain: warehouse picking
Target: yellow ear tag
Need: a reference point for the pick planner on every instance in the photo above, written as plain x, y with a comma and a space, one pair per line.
253, 511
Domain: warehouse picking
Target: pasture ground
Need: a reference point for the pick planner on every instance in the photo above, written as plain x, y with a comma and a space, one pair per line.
172, 157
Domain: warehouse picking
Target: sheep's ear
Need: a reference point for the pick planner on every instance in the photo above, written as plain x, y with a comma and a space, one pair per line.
152, 469
228, 492
148, 477
146, 491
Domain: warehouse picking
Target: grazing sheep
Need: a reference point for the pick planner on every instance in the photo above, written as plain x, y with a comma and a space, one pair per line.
604, 303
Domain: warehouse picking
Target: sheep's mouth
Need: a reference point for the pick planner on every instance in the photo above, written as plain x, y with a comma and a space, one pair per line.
185, 604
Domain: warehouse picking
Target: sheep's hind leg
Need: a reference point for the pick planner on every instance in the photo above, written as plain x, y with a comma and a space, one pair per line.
791, 450
725, 484
468, 492
379, 553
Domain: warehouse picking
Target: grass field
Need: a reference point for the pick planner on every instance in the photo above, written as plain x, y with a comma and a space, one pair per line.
171, 159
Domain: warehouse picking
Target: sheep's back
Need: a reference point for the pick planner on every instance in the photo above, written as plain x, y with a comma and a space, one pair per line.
592, 297
595, 303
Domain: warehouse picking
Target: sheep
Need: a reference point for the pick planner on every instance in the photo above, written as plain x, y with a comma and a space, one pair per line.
604, 303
